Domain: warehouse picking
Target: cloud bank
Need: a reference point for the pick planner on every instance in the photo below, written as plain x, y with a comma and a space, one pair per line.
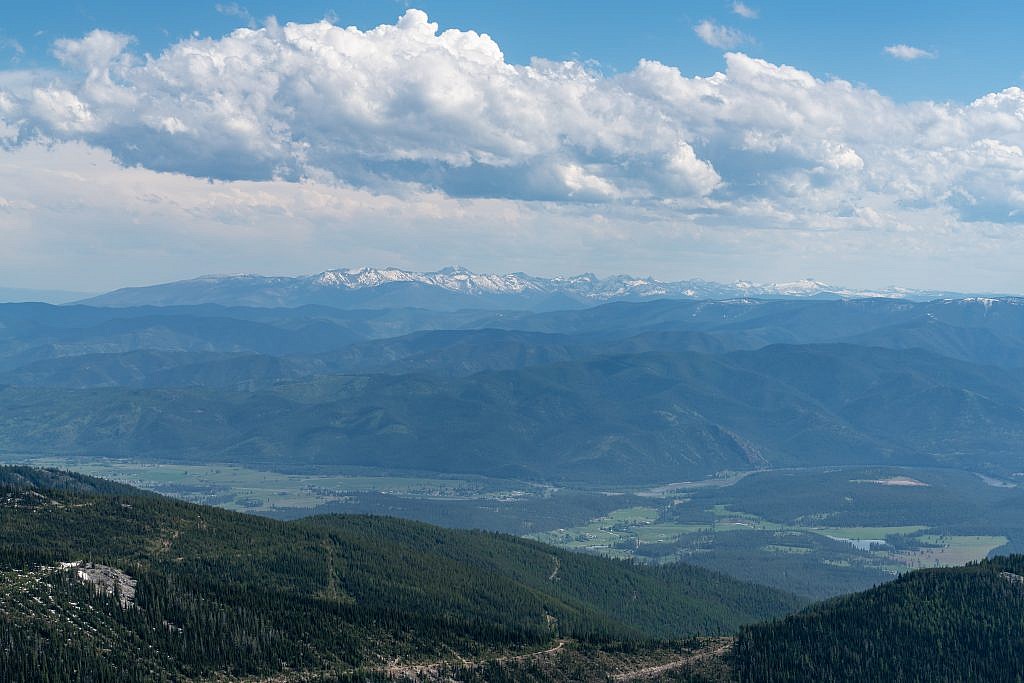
416, 128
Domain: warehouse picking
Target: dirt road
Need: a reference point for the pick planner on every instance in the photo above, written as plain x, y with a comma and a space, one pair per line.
657, 670
397, 670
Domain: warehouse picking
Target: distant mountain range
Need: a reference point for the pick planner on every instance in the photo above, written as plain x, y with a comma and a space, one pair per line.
455, 287
645, 392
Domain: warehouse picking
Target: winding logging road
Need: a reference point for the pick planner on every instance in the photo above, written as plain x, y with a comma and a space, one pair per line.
657, 670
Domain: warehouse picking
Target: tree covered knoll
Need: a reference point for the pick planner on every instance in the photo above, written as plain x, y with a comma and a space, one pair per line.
936, 625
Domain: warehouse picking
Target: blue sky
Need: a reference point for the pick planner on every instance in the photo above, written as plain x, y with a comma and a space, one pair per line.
978, 44
860, 143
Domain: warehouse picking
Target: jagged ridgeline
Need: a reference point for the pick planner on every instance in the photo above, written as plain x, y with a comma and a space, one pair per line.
101, 582
953, 624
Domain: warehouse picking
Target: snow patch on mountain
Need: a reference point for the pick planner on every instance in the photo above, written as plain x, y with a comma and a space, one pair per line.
456, 279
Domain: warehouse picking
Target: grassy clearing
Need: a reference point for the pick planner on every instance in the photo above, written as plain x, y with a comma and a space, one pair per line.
733, 520
663, 533
620, 528
634, 515
865, 533
954, 550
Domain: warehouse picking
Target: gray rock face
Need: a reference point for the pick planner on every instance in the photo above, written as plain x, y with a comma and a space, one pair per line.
104, 579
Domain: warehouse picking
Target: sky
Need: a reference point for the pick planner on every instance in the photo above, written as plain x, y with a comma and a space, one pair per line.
859, 143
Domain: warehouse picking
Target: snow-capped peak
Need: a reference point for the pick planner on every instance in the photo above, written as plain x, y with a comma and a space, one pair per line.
454, 278
587, 286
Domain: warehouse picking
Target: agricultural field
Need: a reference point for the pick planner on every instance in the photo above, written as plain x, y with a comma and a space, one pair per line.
630, 533
817, 533
950, 551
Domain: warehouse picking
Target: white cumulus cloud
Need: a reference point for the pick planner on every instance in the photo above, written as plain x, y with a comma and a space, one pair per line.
408, 104
398, 102
429, 126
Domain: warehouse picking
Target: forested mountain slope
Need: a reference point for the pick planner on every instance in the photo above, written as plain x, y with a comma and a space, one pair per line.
638, 418
958, 624
198, 591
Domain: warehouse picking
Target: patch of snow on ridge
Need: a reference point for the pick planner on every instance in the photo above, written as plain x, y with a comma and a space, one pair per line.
987, 302
453, 278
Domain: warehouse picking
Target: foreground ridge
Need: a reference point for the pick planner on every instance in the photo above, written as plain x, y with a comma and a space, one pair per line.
219, 595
